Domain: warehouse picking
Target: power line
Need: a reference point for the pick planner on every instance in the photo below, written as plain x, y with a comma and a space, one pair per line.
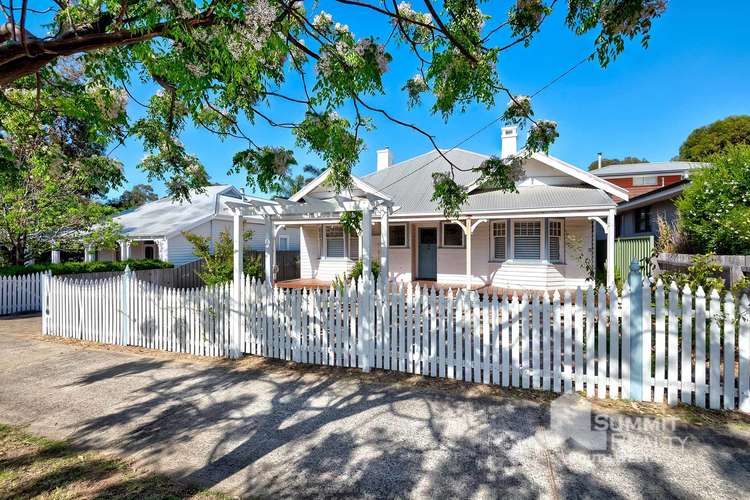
491, 123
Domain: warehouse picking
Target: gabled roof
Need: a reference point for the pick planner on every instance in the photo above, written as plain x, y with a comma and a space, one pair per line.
318, 181
166, 217
668, 192
661, 168
409, 184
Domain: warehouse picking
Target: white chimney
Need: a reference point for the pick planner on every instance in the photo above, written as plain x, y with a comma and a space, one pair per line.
509, 147
599, 160
385, 159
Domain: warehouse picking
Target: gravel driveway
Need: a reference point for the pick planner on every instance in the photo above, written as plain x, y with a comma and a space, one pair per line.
276, 431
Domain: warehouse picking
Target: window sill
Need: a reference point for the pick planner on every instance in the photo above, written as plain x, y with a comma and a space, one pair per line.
337, 259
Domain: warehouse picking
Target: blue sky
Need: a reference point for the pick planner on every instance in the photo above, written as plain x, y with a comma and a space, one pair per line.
696, 70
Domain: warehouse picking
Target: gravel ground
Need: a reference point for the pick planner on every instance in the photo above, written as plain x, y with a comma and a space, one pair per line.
254, 428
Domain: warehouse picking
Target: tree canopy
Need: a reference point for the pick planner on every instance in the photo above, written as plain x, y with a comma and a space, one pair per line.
616, 161
219, 61
53, 166
132, 198
715, 138
715, 207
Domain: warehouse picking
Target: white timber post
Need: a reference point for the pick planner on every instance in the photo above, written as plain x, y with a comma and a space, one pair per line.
56, 256
124, 249
611, 249
163, 247
45, 302
368, 330
237, 280
384, 245
127, 276
270, 249
88, 254
467, 231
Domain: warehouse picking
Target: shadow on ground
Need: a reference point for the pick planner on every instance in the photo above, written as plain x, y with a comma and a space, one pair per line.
283, 432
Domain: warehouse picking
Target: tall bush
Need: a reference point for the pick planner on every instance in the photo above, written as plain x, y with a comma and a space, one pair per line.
715, 206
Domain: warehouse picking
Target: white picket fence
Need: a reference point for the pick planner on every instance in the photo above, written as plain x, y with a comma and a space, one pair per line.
695, 349
20, 294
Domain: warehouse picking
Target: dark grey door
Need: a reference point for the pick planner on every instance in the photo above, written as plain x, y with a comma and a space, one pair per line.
427, 257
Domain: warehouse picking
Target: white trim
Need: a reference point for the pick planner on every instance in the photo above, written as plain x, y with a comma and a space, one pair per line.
359, 183
561, 259
405, 225
442, 235
493, 258
281, 238
542, 241
582, 175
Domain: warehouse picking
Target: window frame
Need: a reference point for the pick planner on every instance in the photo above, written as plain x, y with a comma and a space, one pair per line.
406, 235
493, 254
442, 235
561, 259
542, 241
324, 253
640, 180
284, 237
637, 219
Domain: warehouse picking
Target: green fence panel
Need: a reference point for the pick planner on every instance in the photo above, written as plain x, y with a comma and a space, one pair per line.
627, 249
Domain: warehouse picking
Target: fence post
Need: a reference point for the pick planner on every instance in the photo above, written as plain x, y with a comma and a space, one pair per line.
44, 301
635, 282
127, 276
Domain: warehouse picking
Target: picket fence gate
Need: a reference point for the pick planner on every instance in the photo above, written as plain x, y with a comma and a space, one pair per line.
20, 294
673, 345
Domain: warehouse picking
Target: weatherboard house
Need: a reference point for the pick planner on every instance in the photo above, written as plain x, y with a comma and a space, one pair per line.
155, 230
538, 238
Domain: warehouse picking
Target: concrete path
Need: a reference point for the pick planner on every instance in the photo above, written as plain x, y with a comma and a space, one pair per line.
285, 432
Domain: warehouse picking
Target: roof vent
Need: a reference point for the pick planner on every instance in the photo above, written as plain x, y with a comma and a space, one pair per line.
509, 146
385, 159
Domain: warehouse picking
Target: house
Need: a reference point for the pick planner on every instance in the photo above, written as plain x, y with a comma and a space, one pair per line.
154, 230
539, 238
653, 187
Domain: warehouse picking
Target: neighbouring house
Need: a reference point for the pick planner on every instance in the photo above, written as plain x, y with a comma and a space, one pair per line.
539, 238
154, 230
652, 187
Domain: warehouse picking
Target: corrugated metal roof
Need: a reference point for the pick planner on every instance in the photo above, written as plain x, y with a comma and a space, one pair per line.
647, 168
409, 184
167, 216
540, 197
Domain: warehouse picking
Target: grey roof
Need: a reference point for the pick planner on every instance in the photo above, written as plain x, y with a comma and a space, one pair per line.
663, 167
166, 216
409, 184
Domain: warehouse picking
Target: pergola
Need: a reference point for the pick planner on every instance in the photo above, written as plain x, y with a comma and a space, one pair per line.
281, 213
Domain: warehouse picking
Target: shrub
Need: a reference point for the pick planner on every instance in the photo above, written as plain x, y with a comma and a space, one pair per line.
219, 265
85, 267
355, 274
715, 206
702, 272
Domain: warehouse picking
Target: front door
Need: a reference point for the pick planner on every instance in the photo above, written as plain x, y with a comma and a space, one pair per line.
427, 256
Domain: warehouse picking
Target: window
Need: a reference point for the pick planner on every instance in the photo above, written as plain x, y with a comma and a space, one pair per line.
453, 235
283, 243
353, 246
397, 236
499, 230
643, 219
555, 241
334, 241
645, 180
148, 252
527, 240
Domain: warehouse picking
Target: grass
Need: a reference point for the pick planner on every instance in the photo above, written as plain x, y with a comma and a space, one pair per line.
35, 467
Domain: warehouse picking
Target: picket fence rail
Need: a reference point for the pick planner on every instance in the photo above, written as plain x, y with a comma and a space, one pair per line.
20, 294
671, 346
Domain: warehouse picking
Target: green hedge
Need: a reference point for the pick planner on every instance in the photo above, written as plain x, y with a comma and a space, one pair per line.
84, 267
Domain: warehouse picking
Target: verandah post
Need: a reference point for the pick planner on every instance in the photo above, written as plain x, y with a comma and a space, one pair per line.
44, 306
635, 282
236, 331
127, 276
